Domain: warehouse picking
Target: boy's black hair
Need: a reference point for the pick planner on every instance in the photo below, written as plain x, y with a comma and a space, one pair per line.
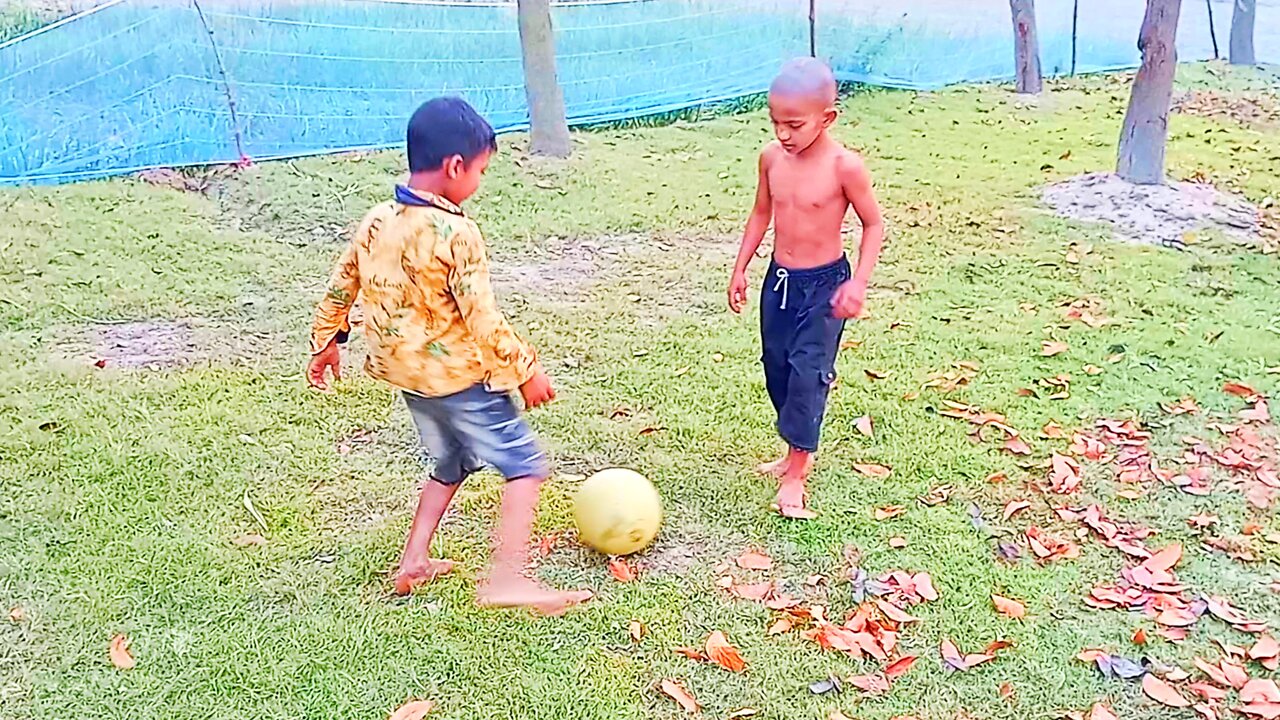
444, 127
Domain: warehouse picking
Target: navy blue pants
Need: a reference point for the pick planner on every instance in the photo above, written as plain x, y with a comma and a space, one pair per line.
801, 338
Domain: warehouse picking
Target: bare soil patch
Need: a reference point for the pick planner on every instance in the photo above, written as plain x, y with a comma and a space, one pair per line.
1154, 214
162, 344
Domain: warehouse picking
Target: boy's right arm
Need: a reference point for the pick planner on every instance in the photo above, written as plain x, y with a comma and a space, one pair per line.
470, 286
330, 319
757, 224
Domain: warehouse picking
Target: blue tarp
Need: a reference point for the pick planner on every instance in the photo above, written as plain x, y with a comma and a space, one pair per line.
150, 83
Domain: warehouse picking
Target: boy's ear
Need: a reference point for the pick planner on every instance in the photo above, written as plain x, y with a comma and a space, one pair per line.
453, 166
829, 117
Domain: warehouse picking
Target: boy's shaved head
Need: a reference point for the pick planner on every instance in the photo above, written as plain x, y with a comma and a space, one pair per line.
807, 78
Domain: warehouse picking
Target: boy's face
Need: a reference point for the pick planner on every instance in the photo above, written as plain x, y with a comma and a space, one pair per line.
464, 177
799, 120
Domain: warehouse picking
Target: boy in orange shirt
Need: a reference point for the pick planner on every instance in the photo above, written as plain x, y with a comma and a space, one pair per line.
435, 332
808, 182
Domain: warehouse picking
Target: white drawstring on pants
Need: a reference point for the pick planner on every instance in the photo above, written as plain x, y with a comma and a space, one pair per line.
784, 282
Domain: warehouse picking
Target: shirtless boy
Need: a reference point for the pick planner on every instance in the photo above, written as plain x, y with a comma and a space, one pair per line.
808, 182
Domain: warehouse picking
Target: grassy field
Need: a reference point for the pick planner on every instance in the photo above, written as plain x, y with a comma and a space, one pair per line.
124, 489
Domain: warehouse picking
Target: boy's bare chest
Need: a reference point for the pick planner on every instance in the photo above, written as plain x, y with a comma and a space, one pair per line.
804, 187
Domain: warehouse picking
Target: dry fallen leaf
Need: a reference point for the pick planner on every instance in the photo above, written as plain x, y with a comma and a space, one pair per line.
637, 630
874, 470
412, 710
876, 374
780, 626
897, 542
754, 560
621, 570
1009, 608
1007, 693
1049, 348
1013, 507
1162, 692
690, 652
17, 614
676, 691
889, 511
1101, 712
249, 540
1139, 637
119, 653
1239, 389
864, 425
742, 714
723, 654
899, 667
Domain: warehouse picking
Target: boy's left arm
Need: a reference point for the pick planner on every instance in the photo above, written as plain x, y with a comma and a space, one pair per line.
856, 181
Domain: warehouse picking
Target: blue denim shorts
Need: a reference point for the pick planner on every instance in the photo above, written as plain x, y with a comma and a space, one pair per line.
468, 431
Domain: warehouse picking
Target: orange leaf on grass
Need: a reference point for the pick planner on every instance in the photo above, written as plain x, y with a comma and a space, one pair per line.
723, 654
1162, 692
1009, 608
1053, 431
1165, 560
1049, 348
1013, 507
119, 653
676, 691
1265, 648
897, 542
1139, 637
1239, 389
899, 667
782, 625
889, 511
621, 571
637, 630
1017, 446
754, 560
876, 374
1101, 712
1007, 693
864, 425
690, 652
895, 613
1260, 690
874, 470
412, 710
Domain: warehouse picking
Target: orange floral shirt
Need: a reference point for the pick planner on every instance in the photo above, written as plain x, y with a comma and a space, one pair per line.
431, 321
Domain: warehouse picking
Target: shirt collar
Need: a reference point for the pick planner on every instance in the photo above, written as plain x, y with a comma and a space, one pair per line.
421, 198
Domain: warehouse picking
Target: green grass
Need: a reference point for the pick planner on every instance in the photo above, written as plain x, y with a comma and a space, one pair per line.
122, 489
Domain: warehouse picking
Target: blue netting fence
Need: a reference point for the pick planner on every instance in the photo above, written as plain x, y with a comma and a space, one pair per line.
135, 84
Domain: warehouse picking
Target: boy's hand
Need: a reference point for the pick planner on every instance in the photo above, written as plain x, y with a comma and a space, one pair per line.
737, 291
849, 300
537, 390
327, 359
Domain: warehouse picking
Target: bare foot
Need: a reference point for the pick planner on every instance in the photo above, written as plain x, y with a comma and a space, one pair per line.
520, 591
410, 577
791, 500
777, 468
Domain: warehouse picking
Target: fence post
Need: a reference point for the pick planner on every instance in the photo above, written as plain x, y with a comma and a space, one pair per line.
813, 28
236, 133
1075, 34
1213, 34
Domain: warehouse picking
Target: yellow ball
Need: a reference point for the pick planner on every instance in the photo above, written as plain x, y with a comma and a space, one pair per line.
618, 511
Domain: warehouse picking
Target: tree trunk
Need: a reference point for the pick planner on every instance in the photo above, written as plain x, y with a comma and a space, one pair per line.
1146, 123
1026, 47
547, 124
1242, 32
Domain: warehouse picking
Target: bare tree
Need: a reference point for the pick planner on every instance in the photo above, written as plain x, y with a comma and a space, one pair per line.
1146, 123
1242, 18
1026, 47
548, 126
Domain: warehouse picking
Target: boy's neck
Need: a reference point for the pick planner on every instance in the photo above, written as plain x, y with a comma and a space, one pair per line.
820, 144
433, 182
